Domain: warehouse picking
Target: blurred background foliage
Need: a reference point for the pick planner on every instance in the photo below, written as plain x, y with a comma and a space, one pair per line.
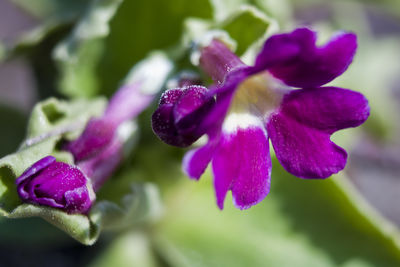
82, 49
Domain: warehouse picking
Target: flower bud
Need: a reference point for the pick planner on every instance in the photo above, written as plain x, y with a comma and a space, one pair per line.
180, 112
56, 184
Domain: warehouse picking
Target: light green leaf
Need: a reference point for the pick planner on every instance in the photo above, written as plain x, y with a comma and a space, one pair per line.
50, 121
300, 223
140, 205
234, 30
77, 226
280, 10
79, 54
223, 8
237, 25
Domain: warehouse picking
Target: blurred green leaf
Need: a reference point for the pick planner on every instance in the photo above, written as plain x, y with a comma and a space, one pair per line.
139, 27
50, 121
374, 74
234, 30
300, 223
20, 233
223, 8
52, 8
2, 51
141, 204
13, 129
280, 10
131, 249
79, 54
237, 25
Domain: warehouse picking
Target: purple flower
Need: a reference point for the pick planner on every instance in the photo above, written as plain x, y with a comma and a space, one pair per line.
256, 103
56, 184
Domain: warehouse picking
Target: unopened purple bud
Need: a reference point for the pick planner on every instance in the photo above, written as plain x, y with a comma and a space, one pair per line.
96, 136
217, 60
99, 133
56, 184
177, 121
101, 167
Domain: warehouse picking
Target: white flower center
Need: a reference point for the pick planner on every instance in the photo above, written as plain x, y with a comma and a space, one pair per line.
258, 95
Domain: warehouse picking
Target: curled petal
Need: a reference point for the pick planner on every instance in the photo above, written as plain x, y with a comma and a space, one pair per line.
177, 121
196, 160
35, 168
56, 184
295, 58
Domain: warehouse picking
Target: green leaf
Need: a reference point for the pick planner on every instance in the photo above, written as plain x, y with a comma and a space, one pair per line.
141, 204
52, 8
234, 30
54, 117
79, 54
50, 121
223, 8
77, 225
130, 249
139, 27
300, 223
280, 10
237, 25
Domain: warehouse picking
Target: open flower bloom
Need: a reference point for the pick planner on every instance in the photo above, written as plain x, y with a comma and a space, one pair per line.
280, 98
56, 184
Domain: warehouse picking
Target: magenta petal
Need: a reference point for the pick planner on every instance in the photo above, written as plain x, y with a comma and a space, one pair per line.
295, 58
31, 171
242, 164
75, 200
189, 101
281, 48
196, 160
328, 108
304, 151
101, 167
